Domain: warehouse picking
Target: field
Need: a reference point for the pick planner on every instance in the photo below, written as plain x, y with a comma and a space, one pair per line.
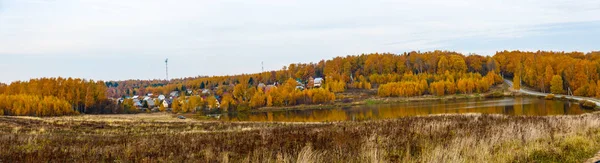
163, 138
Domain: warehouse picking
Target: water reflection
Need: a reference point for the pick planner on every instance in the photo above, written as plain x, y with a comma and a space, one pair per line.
509, 106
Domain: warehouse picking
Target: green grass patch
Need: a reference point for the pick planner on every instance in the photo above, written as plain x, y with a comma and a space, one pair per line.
576, 148
373, 102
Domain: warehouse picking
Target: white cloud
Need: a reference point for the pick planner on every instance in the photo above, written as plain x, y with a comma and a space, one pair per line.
302, 30
64, 26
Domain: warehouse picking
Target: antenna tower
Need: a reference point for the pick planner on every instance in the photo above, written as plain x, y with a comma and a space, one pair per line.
167, 68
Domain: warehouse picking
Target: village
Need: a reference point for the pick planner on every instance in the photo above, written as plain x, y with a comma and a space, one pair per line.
207, 98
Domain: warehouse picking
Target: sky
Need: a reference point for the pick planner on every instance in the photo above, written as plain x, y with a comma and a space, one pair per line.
130, 39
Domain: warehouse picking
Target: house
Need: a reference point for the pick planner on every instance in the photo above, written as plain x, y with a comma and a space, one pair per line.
135, 97
205, 91
150, 94
174, 94
261, 86
146, 98
310, 83
166, 103
217, 103
299, 85
189, 92
161, 97
151, 103
137, 103
269, 87
318, 82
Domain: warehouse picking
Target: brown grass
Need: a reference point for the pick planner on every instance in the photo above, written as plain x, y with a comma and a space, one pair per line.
162, 138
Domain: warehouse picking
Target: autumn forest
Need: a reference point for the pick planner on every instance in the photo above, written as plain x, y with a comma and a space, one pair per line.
435, 73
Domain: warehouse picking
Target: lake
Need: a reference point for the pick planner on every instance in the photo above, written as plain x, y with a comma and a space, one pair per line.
530, 106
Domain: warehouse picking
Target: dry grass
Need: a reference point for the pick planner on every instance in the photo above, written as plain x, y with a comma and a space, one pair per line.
160, 137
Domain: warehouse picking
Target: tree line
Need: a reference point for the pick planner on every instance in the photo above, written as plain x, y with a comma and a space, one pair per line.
574, 73
33, 105
48, 96
406, 74
363, 71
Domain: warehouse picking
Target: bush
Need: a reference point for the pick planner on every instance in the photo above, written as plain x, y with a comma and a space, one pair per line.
588, 104
495, 94
373, 102
244, 106
550, 97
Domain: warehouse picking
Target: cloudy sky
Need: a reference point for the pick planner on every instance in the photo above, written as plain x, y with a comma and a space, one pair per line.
129, 39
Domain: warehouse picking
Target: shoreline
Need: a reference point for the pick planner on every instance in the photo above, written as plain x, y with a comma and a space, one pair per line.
498, 91
374, 100
361, 97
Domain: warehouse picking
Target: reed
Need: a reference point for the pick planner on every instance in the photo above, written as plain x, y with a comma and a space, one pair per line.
438, 138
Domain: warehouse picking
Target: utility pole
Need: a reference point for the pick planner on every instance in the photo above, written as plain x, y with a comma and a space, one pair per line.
167, 68
263, 66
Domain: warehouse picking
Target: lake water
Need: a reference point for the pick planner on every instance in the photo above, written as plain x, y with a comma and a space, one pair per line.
530, 106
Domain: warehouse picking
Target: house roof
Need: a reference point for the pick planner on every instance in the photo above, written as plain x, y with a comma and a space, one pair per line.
150, 103
261, 85
269, 87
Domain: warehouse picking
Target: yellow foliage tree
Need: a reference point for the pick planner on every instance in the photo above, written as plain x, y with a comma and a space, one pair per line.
176, 106
32, 105
227, 102
517, 82
185, 107
161, 107
258, 99
437, 88
211, 101
269, 101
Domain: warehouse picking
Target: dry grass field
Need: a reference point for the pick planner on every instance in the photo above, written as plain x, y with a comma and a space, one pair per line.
163, 138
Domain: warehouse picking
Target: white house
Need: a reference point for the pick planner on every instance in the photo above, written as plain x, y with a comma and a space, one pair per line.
137, 103
318, 82
151, 103
166, 103
262, 85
